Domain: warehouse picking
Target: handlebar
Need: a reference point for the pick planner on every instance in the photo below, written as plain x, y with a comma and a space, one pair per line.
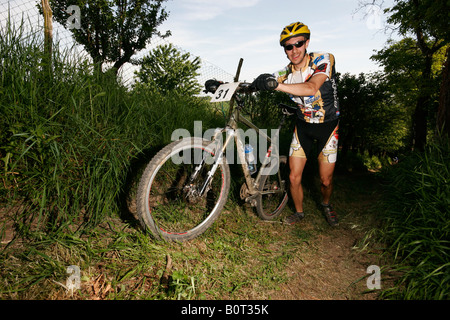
212, 85
247, 87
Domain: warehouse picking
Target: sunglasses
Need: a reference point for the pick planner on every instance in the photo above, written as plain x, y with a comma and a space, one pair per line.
298, 44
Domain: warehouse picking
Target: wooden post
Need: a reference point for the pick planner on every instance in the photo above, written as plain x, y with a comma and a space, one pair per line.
48, 30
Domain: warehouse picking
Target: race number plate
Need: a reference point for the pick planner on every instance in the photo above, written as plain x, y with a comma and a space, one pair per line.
224, 92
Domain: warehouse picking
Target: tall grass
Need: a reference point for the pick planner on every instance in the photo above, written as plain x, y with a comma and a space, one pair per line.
418, 224
68, 141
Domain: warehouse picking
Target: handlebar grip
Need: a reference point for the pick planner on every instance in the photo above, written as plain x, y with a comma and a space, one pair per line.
212, 85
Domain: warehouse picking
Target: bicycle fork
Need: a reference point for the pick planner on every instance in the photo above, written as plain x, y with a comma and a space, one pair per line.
220, 148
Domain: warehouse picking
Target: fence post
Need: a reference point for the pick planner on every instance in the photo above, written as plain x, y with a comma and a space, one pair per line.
48, 32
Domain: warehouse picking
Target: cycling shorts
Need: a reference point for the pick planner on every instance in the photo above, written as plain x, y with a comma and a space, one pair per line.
326, 135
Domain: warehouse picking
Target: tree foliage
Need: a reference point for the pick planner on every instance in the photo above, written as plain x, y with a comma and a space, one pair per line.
404, 67
167, 69
429, 17
112, 31
372, 120
428, 22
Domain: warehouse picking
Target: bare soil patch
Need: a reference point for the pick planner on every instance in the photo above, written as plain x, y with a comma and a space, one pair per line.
330, 268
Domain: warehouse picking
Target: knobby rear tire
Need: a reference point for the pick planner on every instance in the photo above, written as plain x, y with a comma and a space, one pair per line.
163, 204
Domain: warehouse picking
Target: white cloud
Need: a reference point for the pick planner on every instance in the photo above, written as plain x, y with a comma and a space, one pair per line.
207, 9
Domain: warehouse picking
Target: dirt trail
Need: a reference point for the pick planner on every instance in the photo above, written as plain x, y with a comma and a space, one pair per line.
333, 265
329, 270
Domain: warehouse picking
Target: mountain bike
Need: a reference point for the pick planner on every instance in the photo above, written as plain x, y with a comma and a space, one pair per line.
185, 186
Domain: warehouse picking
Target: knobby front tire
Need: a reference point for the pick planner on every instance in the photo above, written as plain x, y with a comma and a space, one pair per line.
270, 205
168, 205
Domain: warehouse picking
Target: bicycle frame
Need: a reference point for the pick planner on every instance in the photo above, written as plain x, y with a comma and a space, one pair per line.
231, 131
179, 200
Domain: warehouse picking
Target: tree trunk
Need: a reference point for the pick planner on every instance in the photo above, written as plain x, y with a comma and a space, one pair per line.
421, 112
443, 115
420, 123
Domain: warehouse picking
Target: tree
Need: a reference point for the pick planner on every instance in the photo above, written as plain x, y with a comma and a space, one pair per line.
403, 64
112, 31
428, 22
371, 119
166, 69
443, 116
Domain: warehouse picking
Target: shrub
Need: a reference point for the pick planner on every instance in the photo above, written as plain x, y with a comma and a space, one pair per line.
418, 223
68, 140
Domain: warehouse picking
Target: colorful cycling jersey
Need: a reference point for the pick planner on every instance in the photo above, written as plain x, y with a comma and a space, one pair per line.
324, 105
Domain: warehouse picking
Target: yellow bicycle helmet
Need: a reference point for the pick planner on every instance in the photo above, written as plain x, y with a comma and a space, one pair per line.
294, 30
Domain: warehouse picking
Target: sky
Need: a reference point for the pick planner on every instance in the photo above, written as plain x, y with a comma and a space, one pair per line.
222, 32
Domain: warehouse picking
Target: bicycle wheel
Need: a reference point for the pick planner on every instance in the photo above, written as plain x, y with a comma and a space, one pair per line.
169, 202
271, 204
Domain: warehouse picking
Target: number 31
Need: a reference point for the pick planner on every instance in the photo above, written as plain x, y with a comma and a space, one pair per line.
220, 94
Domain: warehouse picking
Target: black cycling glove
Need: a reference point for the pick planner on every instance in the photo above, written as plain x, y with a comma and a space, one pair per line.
212, 85
265, 81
